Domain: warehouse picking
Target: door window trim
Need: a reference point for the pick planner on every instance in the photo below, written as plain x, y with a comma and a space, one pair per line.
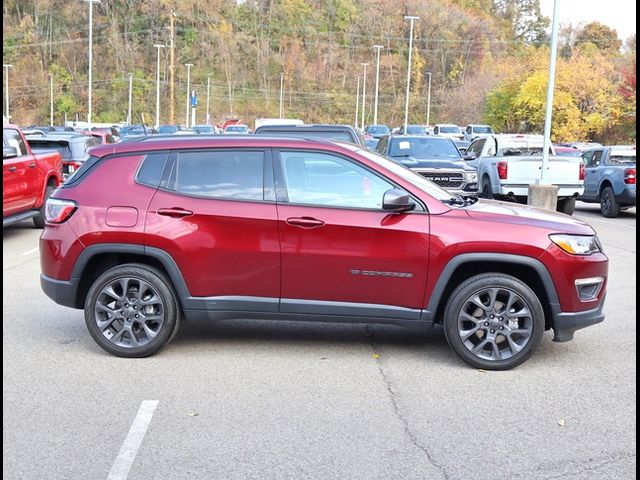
283, 197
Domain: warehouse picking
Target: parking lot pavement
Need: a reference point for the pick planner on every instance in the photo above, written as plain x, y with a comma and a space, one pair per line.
244, 400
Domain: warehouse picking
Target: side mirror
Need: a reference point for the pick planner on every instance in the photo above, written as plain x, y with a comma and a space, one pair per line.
9, 152
470, 156
396, 200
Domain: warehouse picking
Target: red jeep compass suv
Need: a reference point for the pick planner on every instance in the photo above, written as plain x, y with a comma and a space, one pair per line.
154, 230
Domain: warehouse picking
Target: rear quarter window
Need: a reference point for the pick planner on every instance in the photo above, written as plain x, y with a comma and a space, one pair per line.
150, 172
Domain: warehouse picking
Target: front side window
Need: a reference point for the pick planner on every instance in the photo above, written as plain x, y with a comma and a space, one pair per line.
314, 178
226, 174
12, 138
595, 160
476, 147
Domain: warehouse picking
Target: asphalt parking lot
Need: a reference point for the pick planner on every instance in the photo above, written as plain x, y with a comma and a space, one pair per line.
253, 400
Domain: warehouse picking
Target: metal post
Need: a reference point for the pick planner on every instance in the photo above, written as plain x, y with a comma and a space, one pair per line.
51, 99
355, 124
158, 46
281, 95
90, 100
549, 108
172, 96
208, 122
429, 100
130, 98
6, 67
406, 105
364, 93
186, 117
375, 102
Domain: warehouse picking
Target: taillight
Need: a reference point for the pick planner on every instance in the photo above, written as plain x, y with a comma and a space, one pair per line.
72, 167
630, 176
59, 211
502, 170
581, 171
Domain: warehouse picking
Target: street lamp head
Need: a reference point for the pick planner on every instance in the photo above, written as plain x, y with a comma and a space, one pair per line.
159, 45
7, 65
364, 64
93, 1
411, 17
378, 46
188, 64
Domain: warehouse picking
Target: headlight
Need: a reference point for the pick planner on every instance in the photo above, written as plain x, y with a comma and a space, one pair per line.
577, 244
472, 177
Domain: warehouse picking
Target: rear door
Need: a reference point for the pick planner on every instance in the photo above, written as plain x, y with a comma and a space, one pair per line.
215, 214
19, 176
341, 253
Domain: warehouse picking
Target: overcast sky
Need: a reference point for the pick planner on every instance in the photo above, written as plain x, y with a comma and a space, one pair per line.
618, 14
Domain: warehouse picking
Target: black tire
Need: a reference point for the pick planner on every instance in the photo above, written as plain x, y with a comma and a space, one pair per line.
512, 336
485, 192
567, 205
132, 286
608, 205
39, 220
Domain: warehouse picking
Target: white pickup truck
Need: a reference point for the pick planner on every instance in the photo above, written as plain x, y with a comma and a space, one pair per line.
508, 164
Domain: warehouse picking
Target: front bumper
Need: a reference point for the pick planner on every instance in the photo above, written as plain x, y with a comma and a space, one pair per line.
565, 324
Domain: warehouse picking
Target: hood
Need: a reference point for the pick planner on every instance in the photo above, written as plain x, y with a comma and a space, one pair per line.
514, 213
435, 162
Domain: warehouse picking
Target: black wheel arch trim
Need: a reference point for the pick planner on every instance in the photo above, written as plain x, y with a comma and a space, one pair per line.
428, 314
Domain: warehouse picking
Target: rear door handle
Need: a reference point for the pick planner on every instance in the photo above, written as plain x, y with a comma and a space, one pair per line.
174, 212
304, 222
32, 165
13, 169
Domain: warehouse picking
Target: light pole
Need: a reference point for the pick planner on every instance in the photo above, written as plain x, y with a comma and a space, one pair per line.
281, 94
130, 98
406, 105
186, 118
6, 67
355, 124
91, 2
429, 100
51, 99
208, 93
158, 46
375, 102
364, 92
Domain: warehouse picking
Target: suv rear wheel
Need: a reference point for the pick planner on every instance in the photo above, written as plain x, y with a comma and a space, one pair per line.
494, 321
608, 205
131, 310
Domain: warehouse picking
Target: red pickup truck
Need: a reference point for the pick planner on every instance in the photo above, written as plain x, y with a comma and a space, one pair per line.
28, 179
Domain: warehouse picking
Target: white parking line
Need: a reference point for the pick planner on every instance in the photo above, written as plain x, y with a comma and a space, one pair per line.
131, 444
29, 252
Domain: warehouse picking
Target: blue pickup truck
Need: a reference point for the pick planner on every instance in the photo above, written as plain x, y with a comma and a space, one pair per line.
610, 179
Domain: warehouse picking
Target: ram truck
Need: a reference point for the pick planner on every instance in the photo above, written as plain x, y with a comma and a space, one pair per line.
28, 179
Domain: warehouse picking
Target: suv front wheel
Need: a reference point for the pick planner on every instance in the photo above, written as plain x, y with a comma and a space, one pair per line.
494, 321
131, 310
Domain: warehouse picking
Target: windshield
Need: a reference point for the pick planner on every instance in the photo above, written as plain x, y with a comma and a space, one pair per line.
168, 129
427, 147
420, 182
203, 129
236, 129
416, 130
485, 129
378, 130
449, 129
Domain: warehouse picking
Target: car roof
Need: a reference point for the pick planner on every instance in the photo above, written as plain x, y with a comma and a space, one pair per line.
172, 142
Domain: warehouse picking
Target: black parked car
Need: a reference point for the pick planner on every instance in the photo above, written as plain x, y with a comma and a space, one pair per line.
435, 158
72, 146
342, 133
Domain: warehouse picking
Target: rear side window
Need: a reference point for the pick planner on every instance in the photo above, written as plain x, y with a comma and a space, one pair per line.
225, 174
150, 172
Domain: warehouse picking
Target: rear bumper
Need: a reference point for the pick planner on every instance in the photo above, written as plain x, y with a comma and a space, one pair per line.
627, 197
62, 292
520, 190
566, 324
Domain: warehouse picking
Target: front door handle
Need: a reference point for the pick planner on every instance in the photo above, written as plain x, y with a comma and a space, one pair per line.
13, 169
304, 222
32, 165
174, 212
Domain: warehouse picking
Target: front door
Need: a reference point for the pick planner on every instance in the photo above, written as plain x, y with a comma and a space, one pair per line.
341, 253
591, 177
19, 176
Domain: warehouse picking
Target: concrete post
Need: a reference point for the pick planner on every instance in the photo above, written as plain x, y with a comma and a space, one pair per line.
543, 196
